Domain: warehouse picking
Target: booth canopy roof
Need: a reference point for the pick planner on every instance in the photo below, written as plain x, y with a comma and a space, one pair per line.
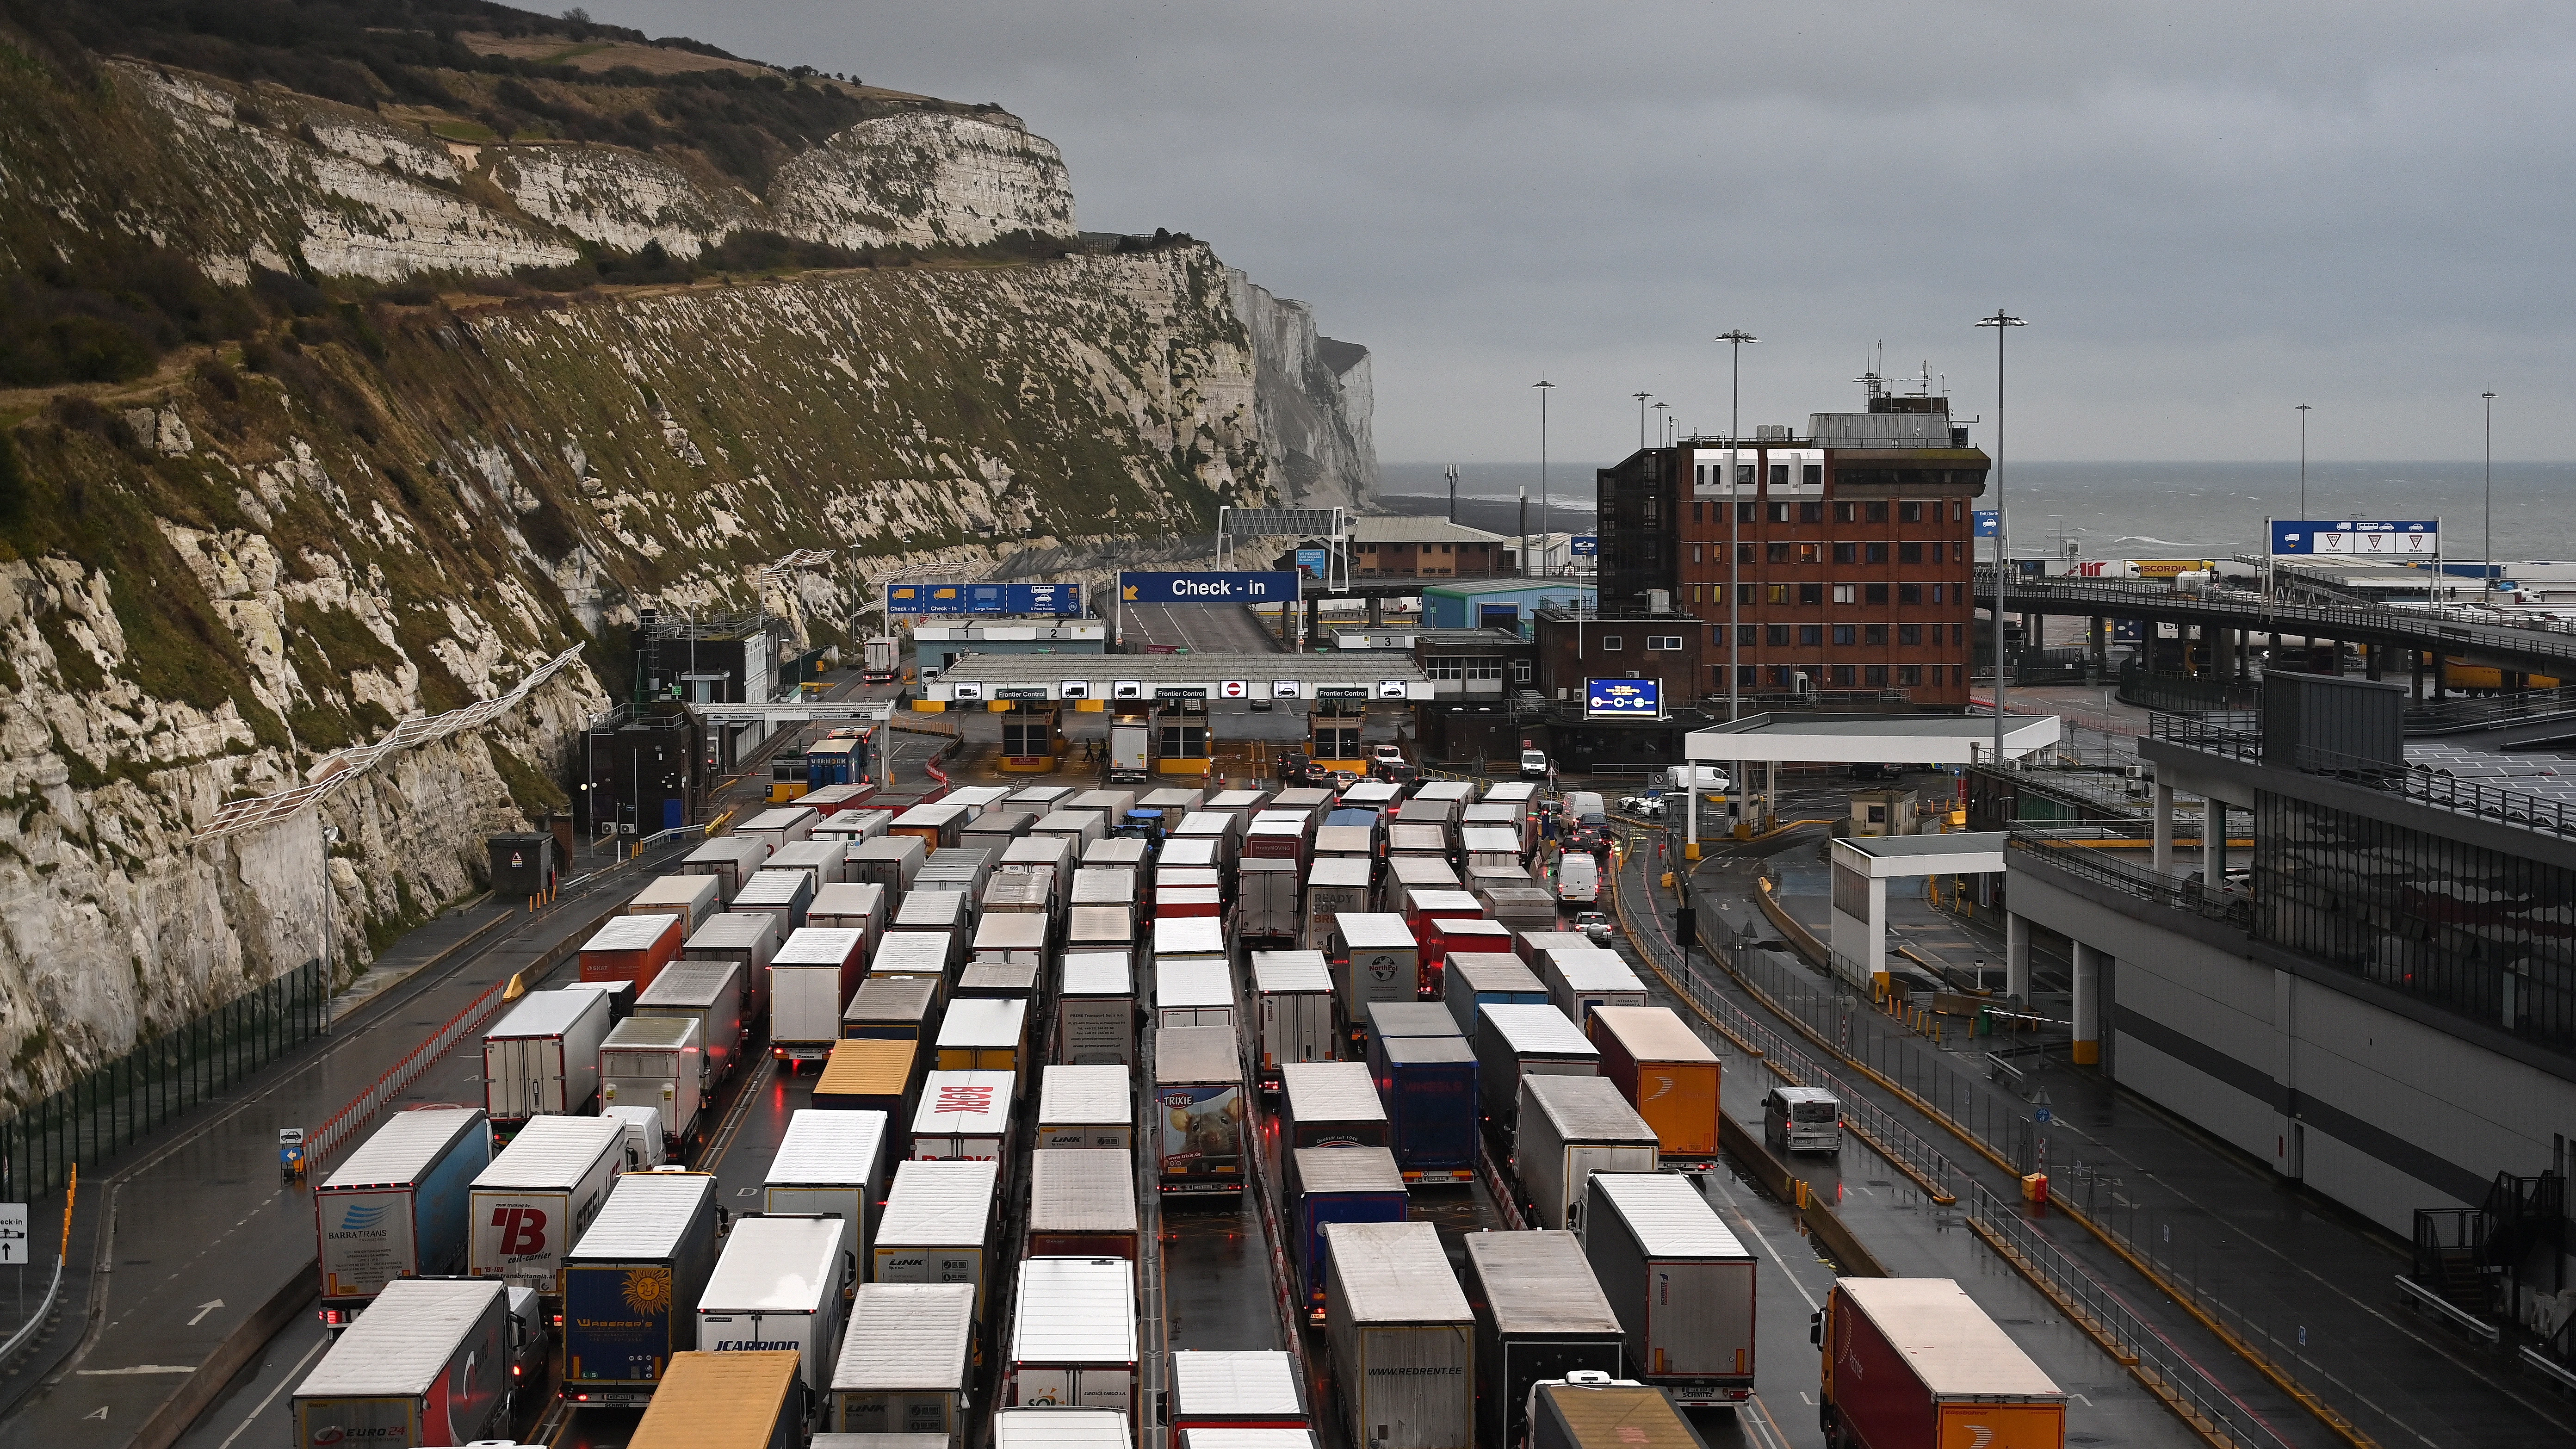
1869, 739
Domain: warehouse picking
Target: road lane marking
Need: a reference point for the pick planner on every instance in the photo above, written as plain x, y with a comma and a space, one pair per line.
293, 1375
1747, 1219
141, 1368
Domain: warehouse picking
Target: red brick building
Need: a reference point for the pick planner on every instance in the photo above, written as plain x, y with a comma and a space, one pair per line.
1853, 559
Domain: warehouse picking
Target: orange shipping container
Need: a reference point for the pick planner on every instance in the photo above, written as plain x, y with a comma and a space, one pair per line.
1665, 1071
631, 948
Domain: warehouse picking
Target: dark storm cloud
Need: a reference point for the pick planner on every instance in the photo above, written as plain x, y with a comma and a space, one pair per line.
2208, 212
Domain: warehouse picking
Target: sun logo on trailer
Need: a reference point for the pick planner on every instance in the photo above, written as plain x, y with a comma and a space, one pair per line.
648, 1291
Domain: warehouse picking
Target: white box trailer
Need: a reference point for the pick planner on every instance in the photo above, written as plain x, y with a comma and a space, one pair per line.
776, 1287
395, 1208
1539, 1318
1105, 885
1118, 851
926, 908
1377, 959
1513, 1041
1335, 885
657, 1062
907, 1363
1100, 928
1188, 937
1069, 1428
1197, 852
543, 1058
1242, 1390
1681, 1283
892, 861
964, 1116
830, 1163
534, 1201
1571, 1128
1011, 938
710, 994
1491, 845
1055, 852
1082, 1204
915, 953
1087, 1106
1074, 1343
780, 826
782, 895
1095, 1009
1401, 1335
1580, 978
938, 1226
1081, 827
1293, 992
731, 859
1266, 899
1173, 800
1193, 991
693, 898
748, 940
810, 979
428, 1364
859, 905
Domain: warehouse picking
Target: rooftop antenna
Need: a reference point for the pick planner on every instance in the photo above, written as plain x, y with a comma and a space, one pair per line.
1873, 385
1453, 492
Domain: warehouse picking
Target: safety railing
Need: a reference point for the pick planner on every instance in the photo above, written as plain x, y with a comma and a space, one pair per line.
354, 1117
2431, 626
2232, 736
2144, 882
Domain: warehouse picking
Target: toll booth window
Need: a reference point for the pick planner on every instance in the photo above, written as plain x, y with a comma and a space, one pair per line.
1337, 744
1185, 742
1029, 737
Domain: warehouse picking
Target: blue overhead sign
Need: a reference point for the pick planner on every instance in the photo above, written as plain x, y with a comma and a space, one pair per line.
2418, 538
1642, 697
1990, 522
1060, 599
1269, 586
1585, 545
1056, 599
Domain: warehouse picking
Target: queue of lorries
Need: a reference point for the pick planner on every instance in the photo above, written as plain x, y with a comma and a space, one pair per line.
1024, 1004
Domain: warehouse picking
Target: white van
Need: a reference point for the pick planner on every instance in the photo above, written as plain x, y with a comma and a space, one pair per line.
1802, 1119
1578, 879
1586, 807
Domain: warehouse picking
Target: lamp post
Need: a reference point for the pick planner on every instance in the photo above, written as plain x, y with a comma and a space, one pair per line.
1641, 418
2486, 583
2303, 461
2003, 551
1735, 340
1544, 388
1665, 429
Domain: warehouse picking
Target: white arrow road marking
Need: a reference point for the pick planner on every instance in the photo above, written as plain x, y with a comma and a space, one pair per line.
209, 1306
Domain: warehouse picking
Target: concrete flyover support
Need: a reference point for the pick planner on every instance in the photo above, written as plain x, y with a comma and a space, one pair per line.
2087, 1012
2162, 858
2213, 843
2017, 956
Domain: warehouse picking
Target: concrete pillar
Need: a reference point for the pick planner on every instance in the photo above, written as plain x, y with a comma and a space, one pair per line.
2088, 1006
1376, 611
2017, 957
2415, 671
1314, 621
2098, 636
2441, 674
2370, 656
1770, 792
2213, 844
2162, 857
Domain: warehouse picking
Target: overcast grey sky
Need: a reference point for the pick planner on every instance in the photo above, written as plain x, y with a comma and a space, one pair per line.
2208, 212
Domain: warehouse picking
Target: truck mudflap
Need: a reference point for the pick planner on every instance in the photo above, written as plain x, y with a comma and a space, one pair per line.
594, 1398
1439, 1175
1723, 1395
806, 1051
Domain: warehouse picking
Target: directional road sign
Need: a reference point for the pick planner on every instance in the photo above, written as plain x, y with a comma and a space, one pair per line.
1211, 587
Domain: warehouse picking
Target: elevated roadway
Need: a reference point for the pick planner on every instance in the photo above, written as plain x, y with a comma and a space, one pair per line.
2545, 646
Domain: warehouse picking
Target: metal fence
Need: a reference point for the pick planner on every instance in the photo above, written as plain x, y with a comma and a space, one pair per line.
2131, 878
109, 1107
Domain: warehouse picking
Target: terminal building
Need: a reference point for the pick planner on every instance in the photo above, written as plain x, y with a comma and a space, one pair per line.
1853, 552
2383, 1007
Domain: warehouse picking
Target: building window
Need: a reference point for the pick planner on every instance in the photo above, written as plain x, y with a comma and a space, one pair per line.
1873, 634
1776, 635
1909, 674
1188, 742
1875, 675
1811, 635
1779, 513
1936, 553
1874, 593
1846, 513
1695, 588
1911, 553
1744, 513
1654, 509
1811, 513
1780, 676
1744, 553
1520, 671
1958, 633
1695, 553
1697, 507
1874, 553
1909, 593
1744, 593
1846, 634
1490, 670
1610, 641
1775, 593
1876, 512
1663, 641
1440, 668
1815, 475
1809, 553
1909, 634
1744, 475
1444, 548
1845, 593
1936, 588
1909, 513
1779, 475
1846, 553
1844, 674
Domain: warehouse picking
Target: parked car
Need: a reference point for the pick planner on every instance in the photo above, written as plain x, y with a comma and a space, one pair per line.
1595, 925
1645, 807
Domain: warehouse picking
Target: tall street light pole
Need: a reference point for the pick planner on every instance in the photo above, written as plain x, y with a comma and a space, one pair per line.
1735, 340
2303, 461
1544, 388
2486, 585
2003, 552
1641, 418
1665, 429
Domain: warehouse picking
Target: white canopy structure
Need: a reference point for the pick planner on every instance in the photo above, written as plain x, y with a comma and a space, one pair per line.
1853, 739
